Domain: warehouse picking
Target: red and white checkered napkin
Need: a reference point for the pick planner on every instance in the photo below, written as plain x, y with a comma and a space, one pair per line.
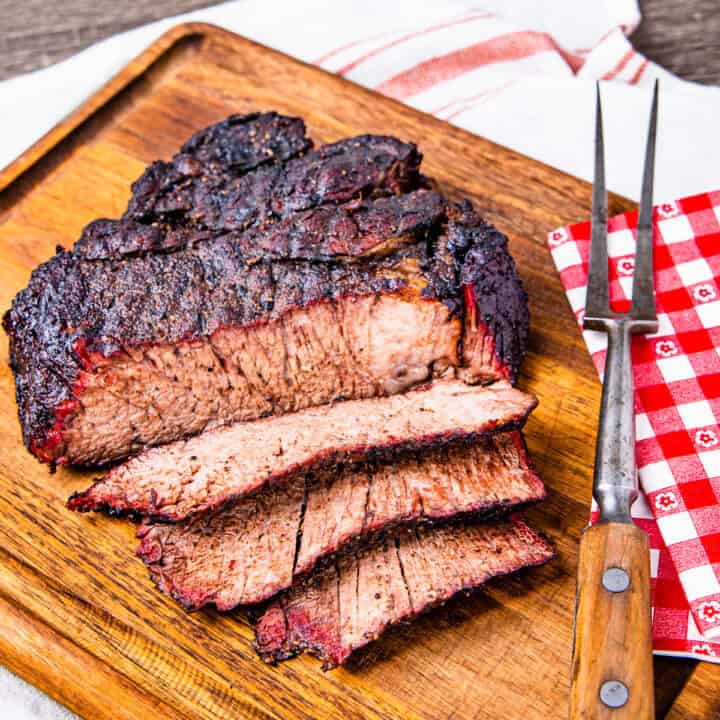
677, 406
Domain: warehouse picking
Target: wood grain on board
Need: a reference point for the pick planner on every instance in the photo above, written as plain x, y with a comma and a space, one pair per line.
78, 615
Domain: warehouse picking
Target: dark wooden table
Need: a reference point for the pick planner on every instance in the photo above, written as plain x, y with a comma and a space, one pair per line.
682, 36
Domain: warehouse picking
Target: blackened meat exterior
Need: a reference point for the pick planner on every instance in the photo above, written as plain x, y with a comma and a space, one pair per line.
228, 149
147, 332
323, 233
497, 319
348, 604
243, 142
186, 191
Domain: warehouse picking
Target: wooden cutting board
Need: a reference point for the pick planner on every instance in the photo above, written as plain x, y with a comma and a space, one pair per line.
79, 616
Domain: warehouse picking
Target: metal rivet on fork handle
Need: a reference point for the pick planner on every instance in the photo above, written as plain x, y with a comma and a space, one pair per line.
614, 694
616, 580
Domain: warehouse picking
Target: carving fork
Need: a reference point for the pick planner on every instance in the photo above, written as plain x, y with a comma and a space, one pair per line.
612, 670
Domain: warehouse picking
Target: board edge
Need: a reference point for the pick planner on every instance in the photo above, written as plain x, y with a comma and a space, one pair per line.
98, 99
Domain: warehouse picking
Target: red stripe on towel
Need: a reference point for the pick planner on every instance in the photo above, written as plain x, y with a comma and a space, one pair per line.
635, 79
410, 36
622, 64
512, 46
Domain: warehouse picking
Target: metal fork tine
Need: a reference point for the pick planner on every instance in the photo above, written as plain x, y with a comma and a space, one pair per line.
597, 289
643, 298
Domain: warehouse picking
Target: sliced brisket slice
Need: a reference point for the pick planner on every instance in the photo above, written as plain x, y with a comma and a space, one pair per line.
251, 550
348, 604
190, 477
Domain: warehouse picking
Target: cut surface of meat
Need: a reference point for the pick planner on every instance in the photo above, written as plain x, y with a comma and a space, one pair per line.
348, 604
357, 347
248, 552
190, 477
332, 275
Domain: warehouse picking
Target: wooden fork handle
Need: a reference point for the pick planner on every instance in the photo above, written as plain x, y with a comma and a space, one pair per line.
613, 627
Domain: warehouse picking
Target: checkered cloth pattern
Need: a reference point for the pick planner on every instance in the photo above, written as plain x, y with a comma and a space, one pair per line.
677, 405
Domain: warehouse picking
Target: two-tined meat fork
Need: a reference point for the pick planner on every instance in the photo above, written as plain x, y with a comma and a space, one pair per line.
612, 671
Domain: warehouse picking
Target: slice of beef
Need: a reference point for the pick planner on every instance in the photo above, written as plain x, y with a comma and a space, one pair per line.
248, 552
190, 477
348, 604
185, 191
120, 344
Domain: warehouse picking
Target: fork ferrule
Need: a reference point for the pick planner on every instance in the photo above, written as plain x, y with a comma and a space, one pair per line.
615, 484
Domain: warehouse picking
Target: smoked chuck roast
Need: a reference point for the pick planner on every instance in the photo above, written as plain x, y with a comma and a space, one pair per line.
253, 275
323, 348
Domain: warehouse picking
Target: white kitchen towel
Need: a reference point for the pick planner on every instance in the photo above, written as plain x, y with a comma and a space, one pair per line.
520, 73
21, 701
